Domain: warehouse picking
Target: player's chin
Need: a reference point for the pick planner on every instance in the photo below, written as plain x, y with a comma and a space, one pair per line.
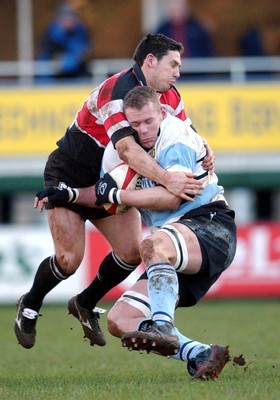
164, 88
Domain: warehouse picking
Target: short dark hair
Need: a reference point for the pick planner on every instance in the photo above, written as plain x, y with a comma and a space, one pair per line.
158, 45
140, 96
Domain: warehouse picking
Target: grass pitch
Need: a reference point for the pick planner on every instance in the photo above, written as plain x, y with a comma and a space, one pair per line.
62, 365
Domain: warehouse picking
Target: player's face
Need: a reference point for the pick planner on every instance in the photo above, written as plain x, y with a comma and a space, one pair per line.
163, 73
146, 122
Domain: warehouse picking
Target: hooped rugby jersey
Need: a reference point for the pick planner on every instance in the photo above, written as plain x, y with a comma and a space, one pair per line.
101, 117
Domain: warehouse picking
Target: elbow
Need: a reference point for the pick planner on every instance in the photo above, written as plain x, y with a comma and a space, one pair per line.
123, 149
127, 148
122, 152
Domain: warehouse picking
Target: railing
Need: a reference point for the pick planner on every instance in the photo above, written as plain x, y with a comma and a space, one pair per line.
233, 69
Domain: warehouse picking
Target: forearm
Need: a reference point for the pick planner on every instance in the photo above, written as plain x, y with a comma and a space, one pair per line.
155, 198
137, 158
63, 194
87, 197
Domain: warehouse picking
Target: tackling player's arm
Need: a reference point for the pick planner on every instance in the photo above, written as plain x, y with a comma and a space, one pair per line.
60, 196
154, 198
178, 183
106, 191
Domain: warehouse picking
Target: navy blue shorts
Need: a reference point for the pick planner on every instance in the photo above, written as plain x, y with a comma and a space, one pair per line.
215, 229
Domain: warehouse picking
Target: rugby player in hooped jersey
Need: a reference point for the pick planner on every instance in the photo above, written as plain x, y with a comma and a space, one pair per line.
76, 162
192, 244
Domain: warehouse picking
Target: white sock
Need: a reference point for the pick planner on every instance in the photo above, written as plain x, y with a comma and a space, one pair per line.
163, 291
188, 348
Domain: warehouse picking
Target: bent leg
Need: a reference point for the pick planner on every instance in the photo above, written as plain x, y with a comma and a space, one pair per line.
67, 230
124, 233
159, 252
68, 233
132, 313
127, 313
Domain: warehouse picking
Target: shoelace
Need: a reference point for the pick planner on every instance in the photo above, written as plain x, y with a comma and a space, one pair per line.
95, 321
93, 318
28, 324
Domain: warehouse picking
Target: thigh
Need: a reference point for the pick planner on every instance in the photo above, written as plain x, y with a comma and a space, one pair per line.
60, 168
176, 244
124, 233
193, 249
68, 233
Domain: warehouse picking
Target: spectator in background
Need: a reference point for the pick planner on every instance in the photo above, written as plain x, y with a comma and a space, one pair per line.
185, 29
251, 43
67, 40
261, 41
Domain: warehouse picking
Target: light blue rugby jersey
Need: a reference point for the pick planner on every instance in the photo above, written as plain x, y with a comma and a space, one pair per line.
180, 148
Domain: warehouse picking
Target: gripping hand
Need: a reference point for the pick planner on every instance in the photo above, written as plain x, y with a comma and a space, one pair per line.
60, 195
106, 190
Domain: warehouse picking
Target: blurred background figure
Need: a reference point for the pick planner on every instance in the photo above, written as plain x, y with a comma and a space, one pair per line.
183, 27
261, 41
67, 40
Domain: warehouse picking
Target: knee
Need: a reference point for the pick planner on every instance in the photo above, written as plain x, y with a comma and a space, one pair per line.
148, 250
114, 323
130, 254
69, 262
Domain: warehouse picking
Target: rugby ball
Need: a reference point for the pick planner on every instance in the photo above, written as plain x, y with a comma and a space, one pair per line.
126, 179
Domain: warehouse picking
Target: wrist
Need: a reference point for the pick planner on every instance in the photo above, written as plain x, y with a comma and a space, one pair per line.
164, 178
73, 194
114, 196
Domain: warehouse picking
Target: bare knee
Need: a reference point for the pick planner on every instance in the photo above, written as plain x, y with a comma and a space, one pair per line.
123, 318
151, 249
68, 233
69, 262
114, 322
128, 251
131, 256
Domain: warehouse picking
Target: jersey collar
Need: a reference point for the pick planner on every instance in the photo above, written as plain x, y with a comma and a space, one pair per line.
139, 75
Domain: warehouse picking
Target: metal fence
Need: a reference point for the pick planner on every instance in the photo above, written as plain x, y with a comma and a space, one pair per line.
232, 69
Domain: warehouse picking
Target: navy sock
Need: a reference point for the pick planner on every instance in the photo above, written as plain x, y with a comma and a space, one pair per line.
112, 271
47, 277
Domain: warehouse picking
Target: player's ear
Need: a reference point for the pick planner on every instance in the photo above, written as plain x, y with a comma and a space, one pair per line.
163, 112
150, 59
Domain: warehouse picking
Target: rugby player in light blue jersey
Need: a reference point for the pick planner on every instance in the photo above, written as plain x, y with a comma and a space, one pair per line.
192, 242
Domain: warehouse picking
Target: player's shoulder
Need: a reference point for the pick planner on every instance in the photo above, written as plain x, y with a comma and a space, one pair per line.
172, 101
121, 83
172, 93
175, 131
172, 129
174, 124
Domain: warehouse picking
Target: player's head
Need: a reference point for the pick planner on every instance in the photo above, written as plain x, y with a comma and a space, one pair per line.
160, 60
144, 112
157, 44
